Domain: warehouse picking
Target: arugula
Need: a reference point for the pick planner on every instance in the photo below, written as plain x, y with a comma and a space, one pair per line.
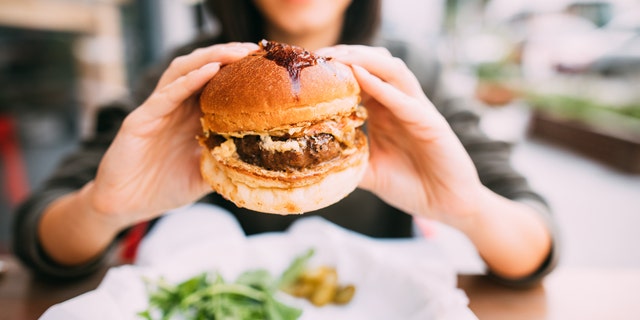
209, 296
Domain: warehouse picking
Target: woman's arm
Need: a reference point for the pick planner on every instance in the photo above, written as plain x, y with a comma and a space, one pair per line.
151, 166
511, 236
72, 232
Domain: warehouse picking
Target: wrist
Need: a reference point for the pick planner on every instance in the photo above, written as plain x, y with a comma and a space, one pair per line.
510, 236
491, 214
72, 232
109, 221
472, 212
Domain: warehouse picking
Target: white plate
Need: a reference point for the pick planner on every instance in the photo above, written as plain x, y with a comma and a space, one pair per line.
394, 279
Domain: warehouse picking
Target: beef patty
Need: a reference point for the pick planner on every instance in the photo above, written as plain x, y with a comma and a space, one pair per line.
306, 152
311, 151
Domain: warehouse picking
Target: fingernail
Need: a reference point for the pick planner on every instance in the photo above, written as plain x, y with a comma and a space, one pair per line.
332, 52
239, 49
211, 66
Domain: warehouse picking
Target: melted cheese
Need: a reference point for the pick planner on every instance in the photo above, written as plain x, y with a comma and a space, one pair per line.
281, 146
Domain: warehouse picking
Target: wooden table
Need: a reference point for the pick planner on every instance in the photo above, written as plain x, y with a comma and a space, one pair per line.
565, 294
23, 296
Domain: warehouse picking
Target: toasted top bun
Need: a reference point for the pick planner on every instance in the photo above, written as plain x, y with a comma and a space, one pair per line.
236, 99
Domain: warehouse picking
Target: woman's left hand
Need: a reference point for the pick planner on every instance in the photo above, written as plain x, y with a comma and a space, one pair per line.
417, 163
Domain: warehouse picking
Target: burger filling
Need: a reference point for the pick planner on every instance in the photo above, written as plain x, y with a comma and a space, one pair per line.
304, 152
298, 148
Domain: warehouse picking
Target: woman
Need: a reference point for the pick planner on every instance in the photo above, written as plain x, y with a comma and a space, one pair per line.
425, 162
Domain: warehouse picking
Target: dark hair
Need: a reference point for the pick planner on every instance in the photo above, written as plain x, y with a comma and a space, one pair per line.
240, 20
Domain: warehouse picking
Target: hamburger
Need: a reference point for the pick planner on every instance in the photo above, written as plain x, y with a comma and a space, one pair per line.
282, 131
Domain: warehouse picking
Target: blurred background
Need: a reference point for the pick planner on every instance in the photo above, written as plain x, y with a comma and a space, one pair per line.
559, 79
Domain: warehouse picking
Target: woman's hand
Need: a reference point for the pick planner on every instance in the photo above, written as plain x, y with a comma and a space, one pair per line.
417, 163
153, 163
151, 166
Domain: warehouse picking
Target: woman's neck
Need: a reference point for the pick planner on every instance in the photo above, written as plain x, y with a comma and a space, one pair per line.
310, 41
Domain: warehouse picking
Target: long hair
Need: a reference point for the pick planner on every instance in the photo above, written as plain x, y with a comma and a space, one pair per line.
240, 20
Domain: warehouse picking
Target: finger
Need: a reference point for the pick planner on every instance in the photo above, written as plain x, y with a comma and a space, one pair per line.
167, 99
403, 106
382, 64
223, 53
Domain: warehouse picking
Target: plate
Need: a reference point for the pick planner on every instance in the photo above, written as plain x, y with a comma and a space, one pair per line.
395, 279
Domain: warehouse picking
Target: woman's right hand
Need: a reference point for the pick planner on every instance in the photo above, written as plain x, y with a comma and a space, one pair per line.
151, 166
153, 163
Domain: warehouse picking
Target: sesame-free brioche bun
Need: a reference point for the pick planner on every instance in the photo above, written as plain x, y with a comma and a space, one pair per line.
281, 131
256, 94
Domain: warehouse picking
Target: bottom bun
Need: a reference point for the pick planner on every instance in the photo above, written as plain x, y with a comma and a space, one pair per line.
256, 193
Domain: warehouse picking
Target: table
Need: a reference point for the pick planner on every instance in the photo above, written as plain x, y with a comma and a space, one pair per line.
23, 296
568, 293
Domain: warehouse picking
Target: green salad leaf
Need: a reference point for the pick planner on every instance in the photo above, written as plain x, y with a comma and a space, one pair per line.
208, 296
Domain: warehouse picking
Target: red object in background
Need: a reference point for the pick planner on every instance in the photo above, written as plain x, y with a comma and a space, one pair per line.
132, 241
17, 188
16, 182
